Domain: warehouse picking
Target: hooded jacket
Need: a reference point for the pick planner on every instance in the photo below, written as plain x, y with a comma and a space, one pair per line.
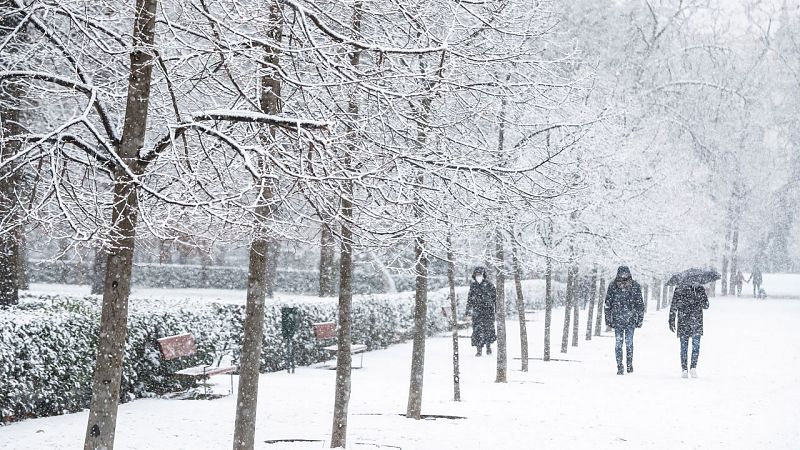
624, 305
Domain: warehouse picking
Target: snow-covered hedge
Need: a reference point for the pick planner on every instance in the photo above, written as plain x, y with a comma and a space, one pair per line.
48, 343
176, 276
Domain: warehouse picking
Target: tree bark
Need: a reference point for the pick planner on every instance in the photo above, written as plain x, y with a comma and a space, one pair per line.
250, 361
645, 295
575, 306
523, 329
567, 312
414, 410
344, 361
502, 357
734, 253
262, 259
327, 262
98, 271
592, 298
657, 292
101, 426
600, 304
10, 177
548, 307
451, 281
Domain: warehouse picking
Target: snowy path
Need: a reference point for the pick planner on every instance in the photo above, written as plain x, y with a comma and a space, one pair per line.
747, 396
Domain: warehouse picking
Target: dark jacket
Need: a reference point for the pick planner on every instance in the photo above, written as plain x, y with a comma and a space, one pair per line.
624, 306
688, 303
756, 276
481, 302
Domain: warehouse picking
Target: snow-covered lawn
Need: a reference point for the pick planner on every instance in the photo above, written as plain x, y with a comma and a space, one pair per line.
747, 396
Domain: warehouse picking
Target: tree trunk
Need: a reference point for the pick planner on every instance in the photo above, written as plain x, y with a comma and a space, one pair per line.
327, 262
523, 330
645, 295
22, 258
724, 272
344, 361
262, 259
99, 271
664, 295
734, 256
414, 410
451, 281
10, 177
101, 426
657, 292
502, 357
592, 299
601, 300
567, 312
576, 307
250, 361
548, 307
273, 254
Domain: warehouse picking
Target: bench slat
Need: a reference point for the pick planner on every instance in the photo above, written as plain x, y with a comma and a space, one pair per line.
354, 348
198, 371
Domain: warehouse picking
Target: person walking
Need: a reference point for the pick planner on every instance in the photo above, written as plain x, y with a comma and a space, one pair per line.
688, 303
739, 282
481, 304
624, 312
757, 277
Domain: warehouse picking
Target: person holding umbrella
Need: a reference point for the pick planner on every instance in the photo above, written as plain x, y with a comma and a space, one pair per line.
624, 311
688, 303
481, 303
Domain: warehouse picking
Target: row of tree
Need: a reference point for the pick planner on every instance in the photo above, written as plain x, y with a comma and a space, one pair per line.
572, 135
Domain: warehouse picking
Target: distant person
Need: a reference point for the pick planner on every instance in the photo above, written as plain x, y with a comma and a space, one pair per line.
688, 304
738, 281
757, 277
481, 303
624, 311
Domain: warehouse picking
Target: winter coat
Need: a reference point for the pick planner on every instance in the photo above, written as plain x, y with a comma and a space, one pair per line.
624, 306
688, 303
481, 302
756, 276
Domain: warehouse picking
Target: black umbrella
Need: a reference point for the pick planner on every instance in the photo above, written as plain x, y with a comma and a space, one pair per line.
694, 276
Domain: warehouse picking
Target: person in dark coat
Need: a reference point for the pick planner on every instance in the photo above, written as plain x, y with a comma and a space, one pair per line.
756, 277
624, 311
688, 303
481, 303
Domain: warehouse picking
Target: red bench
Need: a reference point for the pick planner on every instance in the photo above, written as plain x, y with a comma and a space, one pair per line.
182, 345
326, 332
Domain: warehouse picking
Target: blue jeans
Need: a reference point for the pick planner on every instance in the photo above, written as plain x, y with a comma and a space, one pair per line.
685, 350
625, 334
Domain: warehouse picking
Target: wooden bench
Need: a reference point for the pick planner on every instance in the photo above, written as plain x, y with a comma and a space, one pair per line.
447, 311
326, 332
183, 345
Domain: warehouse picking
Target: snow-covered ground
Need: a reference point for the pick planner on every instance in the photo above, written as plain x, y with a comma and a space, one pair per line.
747, 395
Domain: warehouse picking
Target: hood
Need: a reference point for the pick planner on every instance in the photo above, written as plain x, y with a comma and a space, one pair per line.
477, 270
623, 273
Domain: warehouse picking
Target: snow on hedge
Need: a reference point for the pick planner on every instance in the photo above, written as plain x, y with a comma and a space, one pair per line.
48, 342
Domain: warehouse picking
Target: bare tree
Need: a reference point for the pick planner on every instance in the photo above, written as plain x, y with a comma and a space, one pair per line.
523, 331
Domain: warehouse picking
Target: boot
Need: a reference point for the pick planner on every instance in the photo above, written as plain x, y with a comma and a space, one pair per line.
488, 349
479, 352
630, 368
685, 374
620, 370
693, 372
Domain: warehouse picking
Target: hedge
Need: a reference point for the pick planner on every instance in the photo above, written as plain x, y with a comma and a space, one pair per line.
177, 276
48, 342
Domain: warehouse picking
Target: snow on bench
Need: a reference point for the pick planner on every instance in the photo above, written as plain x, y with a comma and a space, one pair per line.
326, 332
183, 345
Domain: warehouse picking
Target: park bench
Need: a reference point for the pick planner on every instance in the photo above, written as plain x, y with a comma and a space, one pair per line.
325, 333
183, 345
447, 311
